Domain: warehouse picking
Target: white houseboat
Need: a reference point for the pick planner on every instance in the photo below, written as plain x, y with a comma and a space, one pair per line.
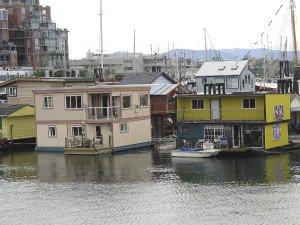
93, 120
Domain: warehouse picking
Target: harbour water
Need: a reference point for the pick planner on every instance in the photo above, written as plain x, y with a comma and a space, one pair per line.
148, 187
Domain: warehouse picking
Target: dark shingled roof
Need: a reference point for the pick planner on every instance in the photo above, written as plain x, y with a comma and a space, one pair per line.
144, 78
7, 109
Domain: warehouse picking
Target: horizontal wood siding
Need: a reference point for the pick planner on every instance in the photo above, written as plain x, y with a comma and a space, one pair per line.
23, 127
58, 111
24, 91
138, 132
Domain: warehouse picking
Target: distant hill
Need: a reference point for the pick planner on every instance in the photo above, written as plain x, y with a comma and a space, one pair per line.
226, 54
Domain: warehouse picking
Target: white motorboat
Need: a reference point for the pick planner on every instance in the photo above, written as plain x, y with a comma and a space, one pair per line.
195, 153
206, 150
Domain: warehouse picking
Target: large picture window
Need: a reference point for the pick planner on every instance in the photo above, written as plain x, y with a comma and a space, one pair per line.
213, 132
74, 102
232, 82
127, 101
197, 104
249, 103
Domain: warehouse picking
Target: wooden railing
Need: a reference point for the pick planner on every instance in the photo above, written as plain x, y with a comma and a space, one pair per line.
221, 114
84, 142
100, 113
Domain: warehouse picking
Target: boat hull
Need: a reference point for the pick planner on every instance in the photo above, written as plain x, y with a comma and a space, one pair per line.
196, 153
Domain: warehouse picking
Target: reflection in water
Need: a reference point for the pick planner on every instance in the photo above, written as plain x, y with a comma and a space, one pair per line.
19, 166
277, 169
250, 170
148, 187
143, 166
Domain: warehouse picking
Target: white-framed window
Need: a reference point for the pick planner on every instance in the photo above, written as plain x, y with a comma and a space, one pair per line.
123, 127
12, 91
48, 102
127, 101
76, 131
74, 102
249, 103
143, 100
213, 132
52, 131
232, 82
197, 104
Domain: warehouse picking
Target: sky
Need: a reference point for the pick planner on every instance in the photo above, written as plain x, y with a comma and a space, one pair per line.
164, 24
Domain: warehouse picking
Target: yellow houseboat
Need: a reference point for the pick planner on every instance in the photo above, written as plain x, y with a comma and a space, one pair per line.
17, 123
237, 120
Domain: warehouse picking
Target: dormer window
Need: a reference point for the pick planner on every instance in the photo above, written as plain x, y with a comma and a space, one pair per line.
235, 67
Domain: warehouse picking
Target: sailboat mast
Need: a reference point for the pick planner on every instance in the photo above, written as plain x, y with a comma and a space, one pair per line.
205, 44
101, 42
292, 4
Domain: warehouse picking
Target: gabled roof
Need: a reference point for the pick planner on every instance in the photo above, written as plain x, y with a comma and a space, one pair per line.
162, 89
144, 78
7, 109
222, 68
47, 79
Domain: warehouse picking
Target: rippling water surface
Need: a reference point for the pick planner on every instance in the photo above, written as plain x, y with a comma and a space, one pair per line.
148, 187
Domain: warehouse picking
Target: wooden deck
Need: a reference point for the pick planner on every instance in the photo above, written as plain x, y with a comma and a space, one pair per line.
88, 151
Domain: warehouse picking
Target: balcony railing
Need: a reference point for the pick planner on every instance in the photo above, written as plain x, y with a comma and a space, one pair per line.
100, 113
221, 114
84, 142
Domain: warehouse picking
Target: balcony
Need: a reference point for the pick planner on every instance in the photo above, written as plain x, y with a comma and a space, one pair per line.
102, 113
221, 115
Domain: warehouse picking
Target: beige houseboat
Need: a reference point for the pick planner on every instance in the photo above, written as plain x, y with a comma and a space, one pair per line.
93, 120
19, 90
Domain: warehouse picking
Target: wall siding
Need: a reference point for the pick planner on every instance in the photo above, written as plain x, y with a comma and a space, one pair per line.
43, 140
139, 132
270, 143
23, 127
273, 100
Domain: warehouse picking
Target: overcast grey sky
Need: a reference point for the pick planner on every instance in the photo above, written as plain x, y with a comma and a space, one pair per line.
163, 23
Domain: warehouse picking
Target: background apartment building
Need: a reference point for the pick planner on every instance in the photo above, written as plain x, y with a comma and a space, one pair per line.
122, 64
8, 53
29, 28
